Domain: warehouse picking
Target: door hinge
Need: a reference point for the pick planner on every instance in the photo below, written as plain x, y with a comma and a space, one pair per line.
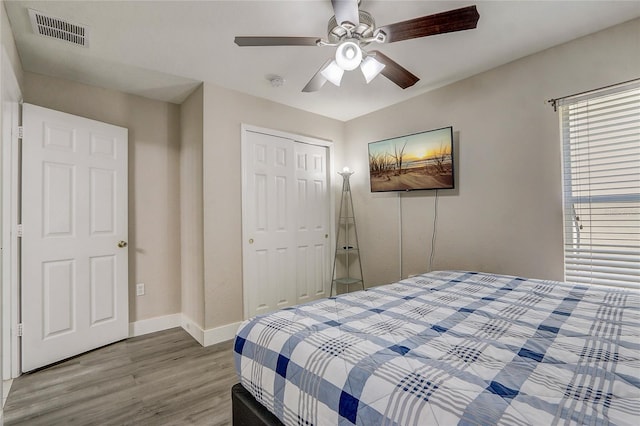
19, 330
19, 231
20, 132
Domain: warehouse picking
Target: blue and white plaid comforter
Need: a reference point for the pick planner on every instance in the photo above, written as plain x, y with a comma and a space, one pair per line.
449, 348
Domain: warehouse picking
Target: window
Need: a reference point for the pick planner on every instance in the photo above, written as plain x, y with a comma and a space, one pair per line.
601, 153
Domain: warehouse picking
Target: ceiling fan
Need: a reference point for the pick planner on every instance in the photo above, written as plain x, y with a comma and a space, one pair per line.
352, 29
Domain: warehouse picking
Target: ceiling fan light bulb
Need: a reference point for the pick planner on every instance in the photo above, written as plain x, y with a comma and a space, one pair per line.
371, 68
333, 73
348, 55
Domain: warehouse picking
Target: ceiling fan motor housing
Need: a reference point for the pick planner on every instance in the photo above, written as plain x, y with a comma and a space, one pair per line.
364, 29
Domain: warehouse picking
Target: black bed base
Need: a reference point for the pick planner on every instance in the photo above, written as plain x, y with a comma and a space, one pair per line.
249, 412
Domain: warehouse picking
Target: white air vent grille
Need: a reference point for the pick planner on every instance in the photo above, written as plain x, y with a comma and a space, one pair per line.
49, 26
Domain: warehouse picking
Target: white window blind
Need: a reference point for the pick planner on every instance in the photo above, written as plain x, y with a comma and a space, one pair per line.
601, 151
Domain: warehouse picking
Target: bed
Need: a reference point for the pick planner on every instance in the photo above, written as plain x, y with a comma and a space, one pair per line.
447, 347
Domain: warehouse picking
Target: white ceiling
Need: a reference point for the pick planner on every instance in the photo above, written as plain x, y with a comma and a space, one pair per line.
163, 49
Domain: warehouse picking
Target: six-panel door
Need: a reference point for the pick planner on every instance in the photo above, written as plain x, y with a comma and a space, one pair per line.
74, 216
286, 207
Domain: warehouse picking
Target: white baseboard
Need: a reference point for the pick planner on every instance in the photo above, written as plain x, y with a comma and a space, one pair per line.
6, 387
193, 329
204, 337
152, 325
220, 334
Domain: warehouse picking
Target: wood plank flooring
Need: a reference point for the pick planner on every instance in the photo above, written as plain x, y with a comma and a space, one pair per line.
164, 378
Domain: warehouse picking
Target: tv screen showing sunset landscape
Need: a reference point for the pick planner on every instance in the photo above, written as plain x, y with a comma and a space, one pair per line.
412, 162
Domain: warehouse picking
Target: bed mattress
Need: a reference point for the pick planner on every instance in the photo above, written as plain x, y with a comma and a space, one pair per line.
449, 347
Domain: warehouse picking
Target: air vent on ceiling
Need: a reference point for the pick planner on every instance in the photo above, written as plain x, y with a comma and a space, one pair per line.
50, 26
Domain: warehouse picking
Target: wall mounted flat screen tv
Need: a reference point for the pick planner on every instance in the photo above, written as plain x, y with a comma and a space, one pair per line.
413, 162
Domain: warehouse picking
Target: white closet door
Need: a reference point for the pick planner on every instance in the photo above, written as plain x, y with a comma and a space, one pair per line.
312, 222
74, 254
286, 217
269, 209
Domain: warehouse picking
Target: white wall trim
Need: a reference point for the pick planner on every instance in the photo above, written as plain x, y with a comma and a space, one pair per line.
193, 329
286, 135
151, 325
11, 99
208, 337
220, 334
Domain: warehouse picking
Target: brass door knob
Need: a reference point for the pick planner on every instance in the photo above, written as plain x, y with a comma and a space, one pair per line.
122, 244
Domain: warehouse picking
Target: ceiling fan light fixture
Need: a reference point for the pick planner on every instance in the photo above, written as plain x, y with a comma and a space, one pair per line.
371, 68
333, 72
348, 55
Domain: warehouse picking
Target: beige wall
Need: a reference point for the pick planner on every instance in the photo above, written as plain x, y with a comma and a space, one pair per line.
9, 45
506, 214
154, 182
224, 112
192, 247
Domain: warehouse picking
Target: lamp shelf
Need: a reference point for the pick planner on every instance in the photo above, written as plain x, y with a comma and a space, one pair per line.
347, 266
347, 281
347, 250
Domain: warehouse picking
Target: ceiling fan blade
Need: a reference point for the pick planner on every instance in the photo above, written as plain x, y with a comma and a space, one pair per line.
465, 18
346, 11
318, 80
394, 71
277, 41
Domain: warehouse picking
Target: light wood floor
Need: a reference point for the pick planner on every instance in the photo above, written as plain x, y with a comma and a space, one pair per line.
163, 378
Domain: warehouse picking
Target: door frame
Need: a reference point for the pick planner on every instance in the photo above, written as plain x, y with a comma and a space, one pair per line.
10, 286
244, 129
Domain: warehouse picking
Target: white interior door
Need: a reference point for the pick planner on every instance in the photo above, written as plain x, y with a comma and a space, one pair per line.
269, 243
74, 218
312, 222
286, 221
